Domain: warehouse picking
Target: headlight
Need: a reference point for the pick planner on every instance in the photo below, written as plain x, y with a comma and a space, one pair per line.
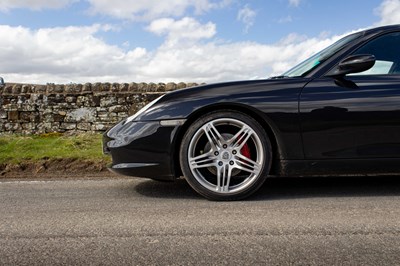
144, 109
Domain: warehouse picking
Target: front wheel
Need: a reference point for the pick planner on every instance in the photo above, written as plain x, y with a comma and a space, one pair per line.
225, 155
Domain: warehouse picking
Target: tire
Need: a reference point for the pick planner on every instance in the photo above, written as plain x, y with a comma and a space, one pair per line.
225, 155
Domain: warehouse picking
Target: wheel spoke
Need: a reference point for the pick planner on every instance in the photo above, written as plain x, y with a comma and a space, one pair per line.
223, 178
247, 165
214, 137
241, 137
203, 160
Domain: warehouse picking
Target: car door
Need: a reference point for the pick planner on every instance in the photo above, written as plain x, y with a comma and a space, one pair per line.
358, 115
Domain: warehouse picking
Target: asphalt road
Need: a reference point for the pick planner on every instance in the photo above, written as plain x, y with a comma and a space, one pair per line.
335, 221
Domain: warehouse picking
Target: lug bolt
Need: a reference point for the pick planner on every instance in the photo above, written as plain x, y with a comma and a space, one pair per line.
220, 163
231, 162
225, 146
216, 153
234, 152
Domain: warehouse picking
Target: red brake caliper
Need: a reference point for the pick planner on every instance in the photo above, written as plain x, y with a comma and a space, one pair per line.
245, 151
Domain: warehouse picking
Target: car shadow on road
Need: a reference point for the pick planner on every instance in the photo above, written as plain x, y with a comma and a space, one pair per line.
345, 186
179, 189
288, 188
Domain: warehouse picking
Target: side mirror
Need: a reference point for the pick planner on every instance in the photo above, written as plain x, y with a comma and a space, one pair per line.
353, 64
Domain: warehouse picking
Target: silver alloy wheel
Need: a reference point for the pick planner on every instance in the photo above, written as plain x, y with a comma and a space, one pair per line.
225, 156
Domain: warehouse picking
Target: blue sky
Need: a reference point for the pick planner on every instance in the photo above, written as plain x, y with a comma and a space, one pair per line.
173, 40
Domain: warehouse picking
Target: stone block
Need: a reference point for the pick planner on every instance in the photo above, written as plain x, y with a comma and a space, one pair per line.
122, 115
84, 126
50, 88
161, 87
25, 116
27, 107
13, 115
94, 101
189, 85
181, 85
123, 87
101, 109
59, 88
17, 89
105, 87
70, 99
142, 87
7, 89
96, 87
122, 100
68, 126
48, 118
26, 89
108, 101
101, 126
170, 86
82, 101
43, 127
133, 87
84, 114
29, 126
40, 89
103, 116
10, 107
115, 87
118, 108
13, 127
3, 114
70, 88
35, 117
87, 87
58, 118
152, 87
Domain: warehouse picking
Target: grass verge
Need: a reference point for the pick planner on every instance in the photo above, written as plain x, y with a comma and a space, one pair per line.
17, 149
51, 153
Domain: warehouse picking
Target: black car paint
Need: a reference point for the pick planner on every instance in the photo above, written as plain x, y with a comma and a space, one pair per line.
319, 124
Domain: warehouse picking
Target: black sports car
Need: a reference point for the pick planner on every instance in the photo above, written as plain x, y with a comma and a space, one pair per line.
338, 112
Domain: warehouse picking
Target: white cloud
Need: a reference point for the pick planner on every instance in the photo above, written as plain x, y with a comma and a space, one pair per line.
247, 16
153, 9
189, 53
294, 3
62, 55
6, 5
184, 29
389, 12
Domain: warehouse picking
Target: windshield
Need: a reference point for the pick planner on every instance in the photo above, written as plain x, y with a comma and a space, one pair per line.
309, 64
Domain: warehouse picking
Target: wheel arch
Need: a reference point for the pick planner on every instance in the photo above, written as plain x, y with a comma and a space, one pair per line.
265, 122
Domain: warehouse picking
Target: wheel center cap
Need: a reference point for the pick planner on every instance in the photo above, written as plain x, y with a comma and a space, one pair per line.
226, 155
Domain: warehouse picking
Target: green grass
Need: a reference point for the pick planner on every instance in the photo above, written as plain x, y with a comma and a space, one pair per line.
17, 149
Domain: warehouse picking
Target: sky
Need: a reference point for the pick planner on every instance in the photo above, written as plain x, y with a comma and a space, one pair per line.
78, 41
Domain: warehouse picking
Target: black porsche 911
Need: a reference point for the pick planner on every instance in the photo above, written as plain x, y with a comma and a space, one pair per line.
337, 112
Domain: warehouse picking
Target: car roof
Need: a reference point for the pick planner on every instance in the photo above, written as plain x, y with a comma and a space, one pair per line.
381, 29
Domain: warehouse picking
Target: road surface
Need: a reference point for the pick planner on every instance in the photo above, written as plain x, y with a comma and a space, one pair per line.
308, 221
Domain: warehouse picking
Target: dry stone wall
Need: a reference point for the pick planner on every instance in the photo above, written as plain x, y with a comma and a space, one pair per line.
90, 107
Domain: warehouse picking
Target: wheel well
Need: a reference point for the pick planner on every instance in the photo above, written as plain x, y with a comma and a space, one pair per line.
252, 113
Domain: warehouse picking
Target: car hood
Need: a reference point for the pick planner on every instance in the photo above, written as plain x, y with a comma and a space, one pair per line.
181, 103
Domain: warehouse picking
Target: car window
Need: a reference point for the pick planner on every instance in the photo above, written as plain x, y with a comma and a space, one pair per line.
386, 50
311, 63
